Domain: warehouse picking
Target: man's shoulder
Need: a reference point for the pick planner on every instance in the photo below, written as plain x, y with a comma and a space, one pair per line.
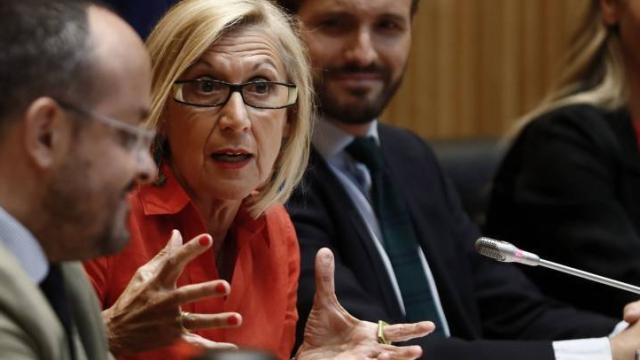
77, 281
17, 287
388, 131
414, 151
27, 323
87, 315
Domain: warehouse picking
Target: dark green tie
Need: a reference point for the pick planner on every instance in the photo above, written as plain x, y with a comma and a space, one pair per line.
399, 236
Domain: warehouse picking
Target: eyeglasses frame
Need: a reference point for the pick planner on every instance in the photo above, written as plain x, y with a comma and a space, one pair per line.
144, 137
236, 88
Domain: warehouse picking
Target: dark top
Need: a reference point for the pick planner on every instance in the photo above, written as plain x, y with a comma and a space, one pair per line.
482, 299
569, 190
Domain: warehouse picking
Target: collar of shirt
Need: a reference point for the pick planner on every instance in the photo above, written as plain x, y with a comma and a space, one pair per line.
166, 199
24, 246
170, 198
330, 141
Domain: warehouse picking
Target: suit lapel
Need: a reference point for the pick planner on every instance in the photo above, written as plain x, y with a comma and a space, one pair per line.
39, 323
415, 196
415, 203
424, 196
356, 229
89, 335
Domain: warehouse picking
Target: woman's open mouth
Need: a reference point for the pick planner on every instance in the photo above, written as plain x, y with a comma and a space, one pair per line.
232, 159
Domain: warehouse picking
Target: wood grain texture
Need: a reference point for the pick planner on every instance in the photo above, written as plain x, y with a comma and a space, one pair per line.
477, 65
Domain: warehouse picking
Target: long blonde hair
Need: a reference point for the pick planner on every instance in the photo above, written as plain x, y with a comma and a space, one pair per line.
190, 28
593, 73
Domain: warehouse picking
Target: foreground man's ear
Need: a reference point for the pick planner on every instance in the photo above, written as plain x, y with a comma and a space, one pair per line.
46, 132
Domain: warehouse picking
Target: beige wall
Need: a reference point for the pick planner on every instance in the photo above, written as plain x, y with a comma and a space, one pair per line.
476, 65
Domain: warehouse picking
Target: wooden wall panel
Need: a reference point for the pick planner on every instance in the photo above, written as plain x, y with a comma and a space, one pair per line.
477, 65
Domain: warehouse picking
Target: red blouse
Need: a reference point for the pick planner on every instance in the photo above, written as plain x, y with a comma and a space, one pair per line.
264, 281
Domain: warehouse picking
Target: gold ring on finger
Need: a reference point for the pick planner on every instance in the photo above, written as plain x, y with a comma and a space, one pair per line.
181, 317
381, 338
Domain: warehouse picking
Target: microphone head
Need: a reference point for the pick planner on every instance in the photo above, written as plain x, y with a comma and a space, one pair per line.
489, 248
505, 252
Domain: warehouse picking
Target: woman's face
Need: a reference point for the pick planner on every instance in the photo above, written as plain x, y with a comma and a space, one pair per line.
226, 152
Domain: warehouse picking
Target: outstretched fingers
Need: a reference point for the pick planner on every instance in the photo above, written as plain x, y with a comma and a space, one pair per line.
631, 312
206, 343
389, 352
324, 266
406, 332
327, 315
175, 240
194, 292
193, 321
178, 257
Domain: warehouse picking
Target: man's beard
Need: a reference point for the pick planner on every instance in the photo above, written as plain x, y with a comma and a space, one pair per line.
350, 113
84, 226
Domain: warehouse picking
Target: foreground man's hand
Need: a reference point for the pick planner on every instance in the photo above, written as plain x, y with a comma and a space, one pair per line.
332, 333
147, 314
625, 344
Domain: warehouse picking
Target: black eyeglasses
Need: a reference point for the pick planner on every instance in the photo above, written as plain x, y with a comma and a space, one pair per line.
134, 138
206, 92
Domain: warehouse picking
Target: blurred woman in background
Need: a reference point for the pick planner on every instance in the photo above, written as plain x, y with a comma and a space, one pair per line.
569, 188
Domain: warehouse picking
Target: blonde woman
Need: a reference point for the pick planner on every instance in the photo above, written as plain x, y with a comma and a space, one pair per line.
569, 188
231, 102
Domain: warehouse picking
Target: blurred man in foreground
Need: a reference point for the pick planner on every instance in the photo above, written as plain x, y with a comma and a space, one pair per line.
74, 88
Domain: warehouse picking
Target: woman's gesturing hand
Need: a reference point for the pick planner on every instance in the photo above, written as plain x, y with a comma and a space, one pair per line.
332, 333
147, 314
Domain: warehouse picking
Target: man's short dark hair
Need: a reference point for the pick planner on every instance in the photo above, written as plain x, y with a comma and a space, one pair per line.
292, 6
44, 51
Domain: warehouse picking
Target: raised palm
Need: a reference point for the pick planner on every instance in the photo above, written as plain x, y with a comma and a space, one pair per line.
332, 333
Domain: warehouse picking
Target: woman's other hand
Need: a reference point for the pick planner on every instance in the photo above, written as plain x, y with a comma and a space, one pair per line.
332, 333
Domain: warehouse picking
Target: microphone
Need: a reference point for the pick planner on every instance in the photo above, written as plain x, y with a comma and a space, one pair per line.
507, 252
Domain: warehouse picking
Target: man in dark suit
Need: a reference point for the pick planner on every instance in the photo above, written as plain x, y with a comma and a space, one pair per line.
71, 146
375, 196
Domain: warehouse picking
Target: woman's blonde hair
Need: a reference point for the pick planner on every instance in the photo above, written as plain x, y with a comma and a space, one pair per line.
190, 28
593, 73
